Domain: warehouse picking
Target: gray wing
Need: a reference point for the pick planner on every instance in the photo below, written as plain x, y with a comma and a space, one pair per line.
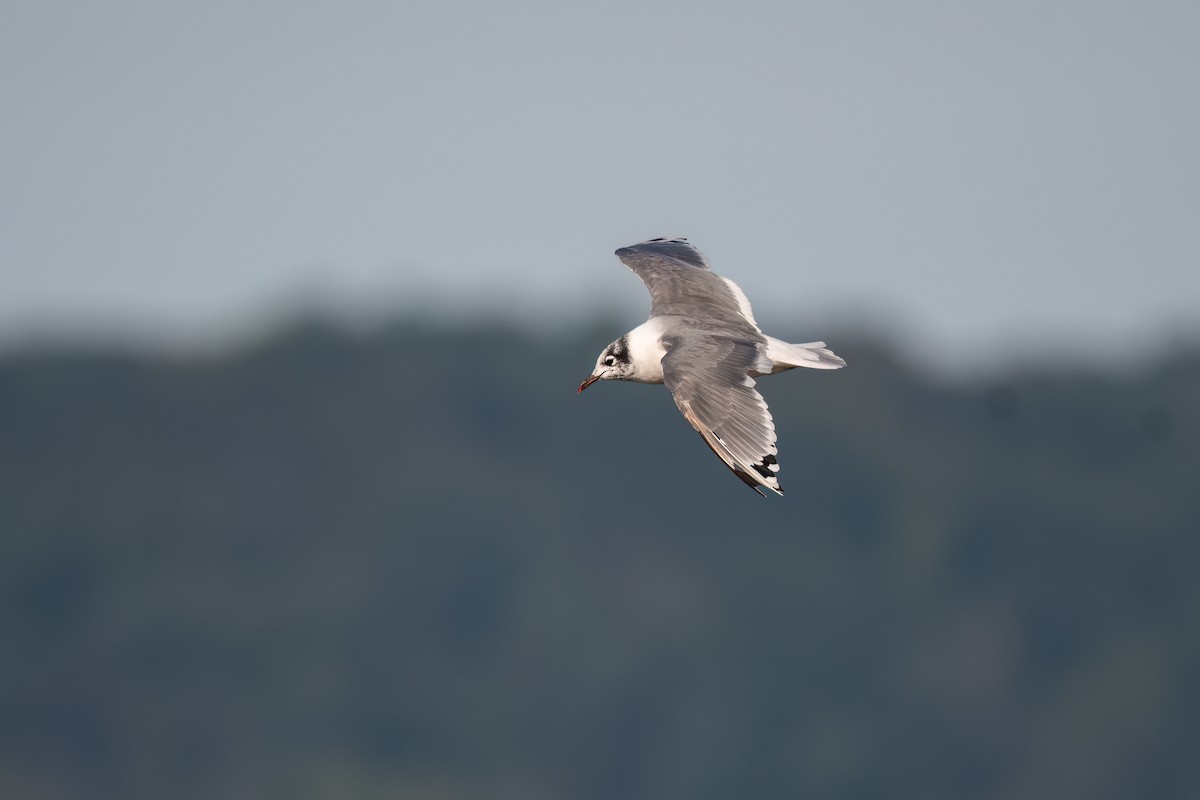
707, 375
682, 284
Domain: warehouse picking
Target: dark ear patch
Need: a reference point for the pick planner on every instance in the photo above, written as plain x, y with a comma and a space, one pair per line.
620, 350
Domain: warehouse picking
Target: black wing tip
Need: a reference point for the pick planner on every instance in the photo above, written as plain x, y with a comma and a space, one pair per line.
677, 249
742, 474
633, 248
756, 485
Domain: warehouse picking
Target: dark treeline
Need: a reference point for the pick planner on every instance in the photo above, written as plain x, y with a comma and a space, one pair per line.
416, 564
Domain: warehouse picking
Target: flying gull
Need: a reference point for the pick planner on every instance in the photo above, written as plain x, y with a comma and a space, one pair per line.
701, 340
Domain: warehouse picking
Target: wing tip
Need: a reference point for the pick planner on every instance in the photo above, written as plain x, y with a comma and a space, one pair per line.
757, 485
751, 479
761, 475
676, 248
656, 240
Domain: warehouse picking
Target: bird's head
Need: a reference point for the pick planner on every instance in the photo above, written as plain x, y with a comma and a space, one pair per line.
613, 364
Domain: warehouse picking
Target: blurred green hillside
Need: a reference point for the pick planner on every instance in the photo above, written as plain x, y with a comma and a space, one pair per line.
414, 564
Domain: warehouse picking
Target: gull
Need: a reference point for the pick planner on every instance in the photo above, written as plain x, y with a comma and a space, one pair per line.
702, 341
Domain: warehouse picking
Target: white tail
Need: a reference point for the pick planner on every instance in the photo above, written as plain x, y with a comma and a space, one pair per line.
814, 355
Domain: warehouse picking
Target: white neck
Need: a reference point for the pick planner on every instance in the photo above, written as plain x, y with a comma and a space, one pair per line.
646, 351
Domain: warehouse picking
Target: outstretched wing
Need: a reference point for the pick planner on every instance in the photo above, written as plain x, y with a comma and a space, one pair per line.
682, 284
707, 375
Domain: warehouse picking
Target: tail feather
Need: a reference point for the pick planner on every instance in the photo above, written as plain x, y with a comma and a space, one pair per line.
814, 355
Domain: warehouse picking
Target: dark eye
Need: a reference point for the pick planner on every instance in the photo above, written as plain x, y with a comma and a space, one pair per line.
609, 361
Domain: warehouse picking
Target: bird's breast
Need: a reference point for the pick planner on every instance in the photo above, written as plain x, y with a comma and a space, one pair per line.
646, 351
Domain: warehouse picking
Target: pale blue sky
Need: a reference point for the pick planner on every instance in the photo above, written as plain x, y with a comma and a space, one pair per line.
981, 178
